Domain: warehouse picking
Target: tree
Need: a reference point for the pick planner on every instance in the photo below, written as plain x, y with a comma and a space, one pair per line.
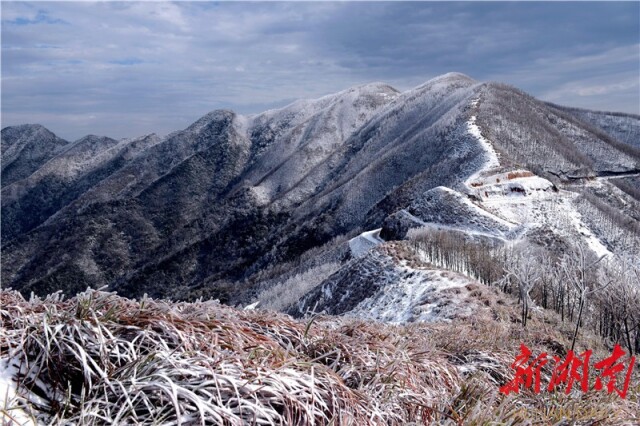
577, 268
619, 308
523, 268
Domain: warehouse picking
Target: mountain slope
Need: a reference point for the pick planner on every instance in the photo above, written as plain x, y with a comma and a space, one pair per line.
29, 202
623, 127
548, 141
267, 368
208, 210
25, 149
390, 284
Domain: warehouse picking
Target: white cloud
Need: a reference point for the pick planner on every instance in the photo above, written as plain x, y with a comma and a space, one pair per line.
134, 66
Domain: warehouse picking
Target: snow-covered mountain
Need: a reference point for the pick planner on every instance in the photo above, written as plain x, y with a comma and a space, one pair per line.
234, 206
25, 149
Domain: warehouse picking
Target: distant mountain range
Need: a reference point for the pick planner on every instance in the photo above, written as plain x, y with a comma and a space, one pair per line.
235, 207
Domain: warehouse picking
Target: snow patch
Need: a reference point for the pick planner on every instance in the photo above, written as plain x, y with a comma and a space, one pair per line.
422, 295
261, 194
252, 307
552, 208
515, 183
11, 412
361, 244
490, 153
592, 241
476, 209
445, 209
241, 124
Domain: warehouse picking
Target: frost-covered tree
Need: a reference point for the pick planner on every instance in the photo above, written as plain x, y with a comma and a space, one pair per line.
618, 308
523, 268
577, 267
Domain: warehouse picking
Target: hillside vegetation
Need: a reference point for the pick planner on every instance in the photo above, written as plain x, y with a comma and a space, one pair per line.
102, 359
206, 210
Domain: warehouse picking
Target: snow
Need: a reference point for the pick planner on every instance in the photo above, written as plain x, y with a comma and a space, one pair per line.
443, 82
252, 307
260, 194
541, 206
476, 209
430, 226
361, 244
422, 295
625, 128
592, 241
10, 411
296, 139
499, 185
386, 285
241, 124
413, 294
80, 158
491, 161
446, 209
307, 107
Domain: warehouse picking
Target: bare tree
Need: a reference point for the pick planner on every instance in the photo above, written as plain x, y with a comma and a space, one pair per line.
523, 268
577, 268
619, 308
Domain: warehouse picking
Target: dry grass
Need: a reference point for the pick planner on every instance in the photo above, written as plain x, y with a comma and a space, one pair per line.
519, 174
102, 359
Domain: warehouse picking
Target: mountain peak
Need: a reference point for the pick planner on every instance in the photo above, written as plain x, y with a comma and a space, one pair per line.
26, 126
375, 86
215, 115
450, 77
454, 75
25, 148
91, 138
12, 132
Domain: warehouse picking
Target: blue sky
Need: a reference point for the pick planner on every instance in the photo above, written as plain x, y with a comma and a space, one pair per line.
127, 69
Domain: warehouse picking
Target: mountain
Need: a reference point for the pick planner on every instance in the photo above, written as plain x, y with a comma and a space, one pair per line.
240, 207
25, 149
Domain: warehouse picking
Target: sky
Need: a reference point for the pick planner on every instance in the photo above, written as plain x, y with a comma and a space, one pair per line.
125, 69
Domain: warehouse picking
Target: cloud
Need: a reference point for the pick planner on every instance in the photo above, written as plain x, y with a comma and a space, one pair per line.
127, 61
125, 69
41, 17
606, 80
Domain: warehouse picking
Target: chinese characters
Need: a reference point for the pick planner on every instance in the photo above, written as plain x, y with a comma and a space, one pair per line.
571, 371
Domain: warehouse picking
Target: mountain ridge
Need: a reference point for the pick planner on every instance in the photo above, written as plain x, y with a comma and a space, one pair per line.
205, 210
